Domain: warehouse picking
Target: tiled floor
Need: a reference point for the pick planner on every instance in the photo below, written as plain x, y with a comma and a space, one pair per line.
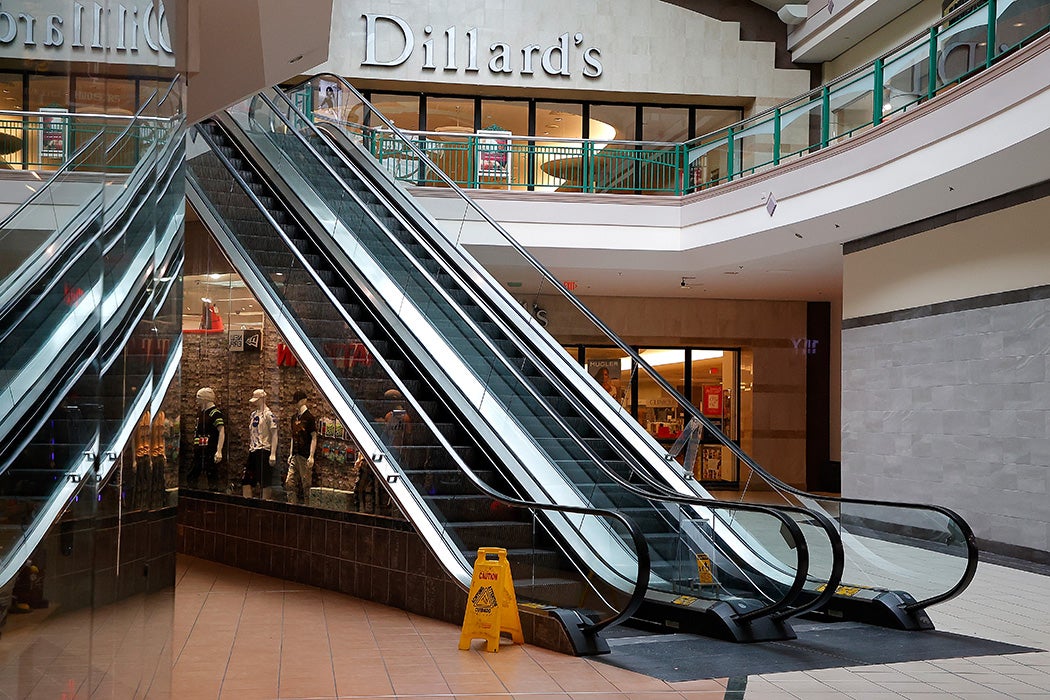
241, 635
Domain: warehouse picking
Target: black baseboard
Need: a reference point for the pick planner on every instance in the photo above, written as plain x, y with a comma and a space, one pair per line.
1035, 561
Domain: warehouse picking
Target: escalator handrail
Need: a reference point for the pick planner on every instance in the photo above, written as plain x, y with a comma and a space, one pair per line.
801, 574
692, 411
131, 124
641, 582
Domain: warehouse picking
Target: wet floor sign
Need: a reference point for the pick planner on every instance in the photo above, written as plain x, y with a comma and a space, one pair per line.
492, 608
704, 570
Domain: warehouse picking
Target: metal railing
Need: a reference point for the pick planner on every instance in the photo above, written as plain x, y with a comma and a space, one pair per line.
945, 54
44, 140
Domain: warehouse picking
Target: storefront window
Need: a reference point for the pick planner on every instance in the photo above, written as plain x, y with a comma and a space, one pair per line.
50, 94
612, 369
402, 110
665, 124
711, 120
502, 162
621, 118
451, 119
707, 378
615, 172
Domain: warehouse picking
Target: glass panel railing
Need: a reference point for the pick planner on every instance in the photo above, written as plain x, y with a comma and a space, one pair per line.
37, 228
415, 433
862, 566
853, 106
522, 400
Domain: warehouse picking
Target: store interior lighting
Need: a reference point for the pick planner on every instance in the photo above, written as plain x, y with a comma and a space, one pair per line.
656, 358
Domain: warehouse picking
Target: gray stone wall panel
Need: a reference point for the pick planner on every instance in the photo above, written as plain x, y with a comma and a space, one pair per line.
954, 409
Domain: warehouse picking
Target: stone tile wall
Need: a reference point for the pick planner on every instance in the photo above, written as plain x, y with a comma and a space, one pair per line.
954, 409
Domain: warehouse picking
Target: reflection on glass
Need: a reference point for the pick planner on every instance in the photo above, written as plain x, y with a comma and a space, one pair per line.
622, 119
667, 124
11, 132
402, 110
709, 120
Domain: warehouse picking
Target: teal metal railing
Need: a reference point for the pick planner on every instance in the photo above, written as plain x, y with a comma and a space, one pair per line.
943, 55
45, 140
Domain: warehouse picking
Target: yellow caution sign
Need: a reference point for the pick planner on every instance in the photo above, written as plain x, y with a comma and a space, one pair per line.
848, 591
492, 608
704, 569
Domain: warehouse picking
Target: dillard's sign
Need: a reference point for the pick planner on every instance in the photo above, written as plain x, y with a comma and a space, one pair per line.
89, 26
556, 59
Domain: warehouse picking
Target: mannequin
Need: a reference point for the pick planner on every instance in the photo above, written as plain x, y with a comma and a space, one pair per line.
137, 484
159, 459
690, 440
208, 439
301, 451
262, 447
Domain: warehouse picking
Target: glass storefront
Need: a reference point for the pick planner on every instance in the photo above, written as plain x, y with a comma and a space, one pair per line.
707, 378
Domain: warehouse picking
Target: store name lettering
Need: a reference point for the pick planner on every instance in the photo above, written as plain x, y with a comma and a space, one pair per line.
555, 59
805, 346
93, 24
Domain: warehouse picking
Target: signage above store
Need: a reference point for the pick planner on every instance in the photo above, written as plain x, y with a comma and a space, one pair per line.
562, 58
88, 28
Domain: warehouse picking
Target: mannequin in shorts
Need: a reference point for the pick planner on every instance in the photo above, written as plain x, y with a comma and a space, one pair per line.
262, 447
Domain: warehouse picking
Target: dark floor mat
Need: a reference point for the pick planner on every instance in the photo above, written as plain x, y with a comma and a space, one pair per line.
684, 657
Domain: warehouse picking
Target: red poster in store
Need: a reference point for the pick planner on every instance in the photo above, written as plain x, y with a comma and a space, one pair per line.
712, 400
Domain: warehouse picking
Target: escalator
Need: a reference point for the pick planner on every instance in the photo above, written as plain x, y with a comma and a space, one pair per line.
900, 558
79, 282
488, 425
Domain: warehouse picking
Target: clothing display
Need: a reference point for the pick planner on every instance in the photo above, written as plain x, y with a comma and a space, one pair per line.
210, 421
301, 461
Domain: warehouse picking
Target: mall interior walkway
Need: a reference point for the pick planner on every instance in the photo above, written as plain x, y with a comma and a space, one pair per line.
242, 635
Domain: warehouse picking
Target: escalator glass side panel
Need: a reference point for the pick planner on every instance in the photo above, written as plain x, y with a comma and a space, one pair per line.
397, 262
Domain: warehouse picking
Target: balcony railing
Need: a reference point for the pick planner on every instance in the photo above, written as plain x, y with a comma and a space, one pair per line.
44, 140
945, 54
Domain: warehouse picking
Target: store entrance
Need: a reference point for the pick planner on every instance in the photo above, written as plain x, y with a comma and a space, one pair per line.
706, 377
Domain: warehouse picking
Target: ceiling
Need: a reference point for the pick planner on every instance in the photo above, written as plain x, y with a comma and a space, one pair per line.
812, 274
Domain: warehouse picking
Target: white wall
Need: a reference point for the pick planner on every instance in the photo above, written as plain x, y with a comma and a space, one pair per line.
1000, 251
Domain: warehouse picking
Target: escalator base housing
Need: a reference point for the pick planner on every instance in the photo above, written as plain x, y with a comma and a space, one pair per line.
718, 620
887, 609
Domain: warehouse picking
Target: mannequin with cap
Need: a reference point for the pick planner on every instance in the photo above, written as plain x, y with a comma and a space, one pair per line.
262, 447
301, 451
208, 439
